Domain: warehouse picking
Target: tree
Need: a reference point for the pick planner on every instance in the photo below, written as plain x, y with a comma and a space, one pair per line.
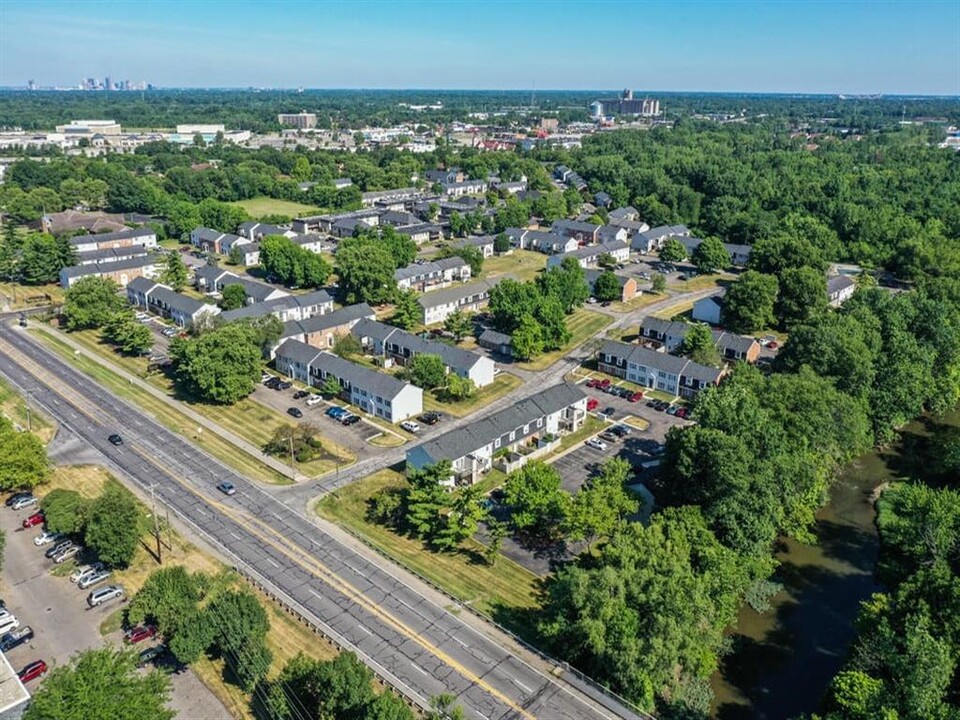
606, 261
331, 387
711, 256
167, 599
91, 302
527, 340
406, 310
658, 283
113, 526
444, 707
101, 683
601, 506
673, 251
346, 346
365, 271
780, 252
566, 283
194, 636
607, 287
538, 503
233, 297
459, 388
64, 511
803, 295
553, 323
130, 336
427, 371
458, 324
236, 255
291, 264
175, 272
511, 301
239, 619
473, 256
501, 243
699, 345
749, 302
23, 458
221, 366
498, 533
42, 257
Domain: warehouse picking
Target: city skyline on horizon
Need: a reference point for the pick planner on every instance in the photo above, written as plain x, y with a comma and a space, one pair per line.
730, 47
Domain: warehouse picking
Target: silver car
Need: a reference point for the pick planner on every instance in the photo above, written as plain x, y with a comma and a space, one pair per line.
64, 555
110, 592
84, 570
92, 579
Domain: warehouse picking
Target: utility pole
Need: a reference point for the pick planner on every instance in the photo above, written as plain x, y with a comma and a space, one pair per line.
169, 529
293, 462
156, 522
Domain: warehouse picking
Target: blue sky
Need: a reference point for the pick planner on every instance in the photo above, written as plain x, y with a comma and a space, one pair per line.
785, 46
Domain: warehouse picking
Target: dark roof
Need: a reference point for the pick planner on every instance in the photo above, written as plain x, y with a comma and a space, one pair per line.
623, 213
141, 284
110, 254
296, 351
108, 267
174, 300
494, 337
574, 225
453, 357
469, 438
455, 293
256, 290
839, 283
110, 236
359, 376
591, 275
475, 241
346, 315
673, 364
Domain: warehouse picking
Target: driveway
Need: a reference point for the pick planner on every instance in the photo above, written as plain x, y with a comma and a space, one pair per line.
62, 623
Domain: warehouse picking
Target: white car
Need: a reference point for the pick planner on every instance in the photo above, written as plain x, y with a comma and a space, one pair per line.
84, 570
8, 622
410, 426
169, 332
314, 400
596, 444
46, 537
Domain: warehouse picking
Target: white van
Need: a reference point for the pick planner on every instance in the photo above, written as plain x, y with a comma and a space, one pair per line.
8, 622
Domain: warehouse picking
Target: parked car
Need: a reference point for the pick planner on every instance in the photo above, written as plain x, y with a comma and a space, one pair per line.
150, 654
773, 345
430, 418
314, 400
139, 634
115, 440
59, 547
92, 579
46, 537
604, 383
596, 444
635, 396
672, 410
620, 431
349, 419
410, 426
32, 671
608, 436
592, 404
295, 412
300, 394
227, 488
15, 638
17, 496
64, 555
33, 520
265, 377
284, 385
84, 570
169, 332
8, 623
609, 412
336, 412
593, 382
272, 382
24, 502
682, 412
110, 592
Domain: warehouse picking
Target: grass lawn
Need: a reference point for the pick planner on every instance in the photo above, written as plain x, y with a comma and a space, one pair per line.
702, 282
635, 422
463, 573
502, 384
286, 636
591, 426
583, 324
164, 414
26, 296
521, 264
13, 407
260, 206
640, 301
247, 418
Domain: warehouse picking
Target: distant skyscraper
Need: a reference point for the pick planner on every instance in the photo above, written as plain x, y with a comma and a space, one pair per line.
107, 85
31, 85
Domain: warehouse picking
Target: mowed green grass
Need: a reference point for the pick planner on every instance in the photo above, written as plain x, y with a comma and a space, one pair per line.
583, 324
247, 418
503, 384
521, 264
463, 573
260, 206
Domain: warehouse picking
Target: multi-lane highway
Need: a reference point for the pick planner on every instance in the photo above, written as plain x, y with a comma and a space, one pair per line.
411, 641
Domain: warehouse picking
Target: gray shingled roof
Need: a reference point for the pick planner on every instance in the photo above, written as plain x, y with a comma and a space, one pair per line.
838, 283
465, 440
109, 254
453, 357
455, 293
328, 320
673, 364
119, 235
378, 383
141, 284
296, 351
288, 302
174, 300
494, 337
109, 267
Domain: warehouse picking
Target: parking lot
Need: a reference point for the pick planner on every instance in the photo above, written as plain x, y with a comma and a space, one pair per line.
62, 622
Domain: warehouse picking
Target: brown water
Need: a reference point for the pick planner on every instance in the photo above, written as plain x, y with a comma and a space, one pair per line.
784, 659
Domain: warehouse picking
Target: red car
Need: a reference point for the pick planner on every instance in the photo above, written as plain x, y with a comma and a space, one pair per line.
681, 413
592, 404
34, 520
140, 633
593, 382
636, 397
32, 671
773, 345
603, 384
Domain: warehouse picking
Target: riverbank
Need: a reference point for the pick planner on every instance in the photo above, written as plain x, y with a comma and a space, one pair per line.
784, 659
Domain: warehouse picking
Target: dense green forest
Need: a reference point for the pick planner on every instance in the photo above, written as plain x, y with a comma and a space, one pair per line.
257, 109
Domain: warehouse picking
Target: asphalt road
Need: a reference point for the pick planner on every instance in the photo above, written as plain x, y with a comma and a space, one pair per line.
416, 645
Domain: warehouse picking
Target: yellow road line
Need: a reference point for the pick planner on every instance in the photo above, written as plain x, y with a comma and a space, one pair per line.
319, 571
